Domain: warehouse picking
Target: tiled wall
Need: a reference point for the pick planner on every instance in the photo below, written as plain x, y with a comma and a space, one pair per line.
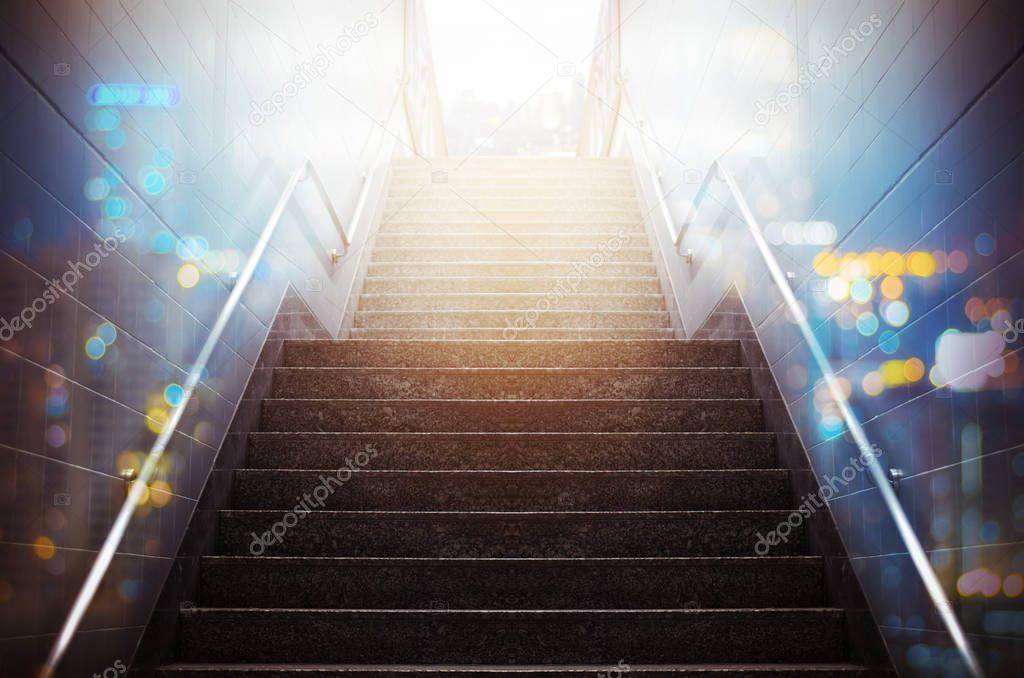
179, 192
910, 147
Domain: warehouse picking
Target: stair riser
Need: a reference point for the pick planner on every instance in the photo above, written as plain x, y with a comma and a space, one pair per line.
508, 535
516, 451
404, 183
561, 298
662, 671
426, 219
511, 320
511, 416
515, 584
518, 384
478, 163
531, 638
597, 256
636, 285
466, 172
567, 201
474, 169
605, 230
511, 354
570, 270
495, 238
498, 334
454, 184
530, 491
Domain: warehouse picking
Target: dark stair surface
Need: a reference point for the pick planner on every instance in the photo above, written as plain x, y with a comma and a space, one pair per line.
510, 467
527, 508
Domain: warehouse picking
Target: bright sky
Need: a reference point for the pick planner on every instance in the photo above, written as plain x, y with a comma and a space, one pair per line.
476, 48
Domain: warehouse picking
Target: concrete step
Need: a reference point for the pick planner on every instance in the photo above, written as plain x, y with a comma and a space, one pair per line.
508, 332
514, 383
262, 670
595, 256
408, 190
522, 200
457, 171
511, 451
439, 173
457, 183
514, 269
682, 415
561, 298
478, 163
452, 319
511, 583
519, 285
374, 490
521, 636
481, 225
526, 177
363, 353
497, 238
556, 216
476, 534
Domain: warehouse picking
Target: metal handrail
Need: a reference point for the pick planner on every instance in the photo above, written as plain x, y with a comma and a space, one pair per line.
659, 194
878, 475
853, 424
139, 486
386, 148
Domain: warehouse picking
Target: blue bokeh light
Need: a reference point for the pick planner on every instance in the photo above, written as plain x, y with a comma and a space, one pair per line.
889, 342
107, 333
173, 394
161, 242
96, 189
95, 348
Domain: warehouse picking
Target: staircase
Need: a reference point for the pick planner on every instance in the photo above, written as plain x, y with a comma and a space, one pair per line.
537, 479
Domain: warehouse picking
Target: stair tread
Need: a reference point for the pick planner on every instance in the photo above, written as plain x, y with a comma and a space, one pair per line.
503, 669
525, 472
598, 295
668, 561
551, 515
681, 369
586, 402
525, 613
